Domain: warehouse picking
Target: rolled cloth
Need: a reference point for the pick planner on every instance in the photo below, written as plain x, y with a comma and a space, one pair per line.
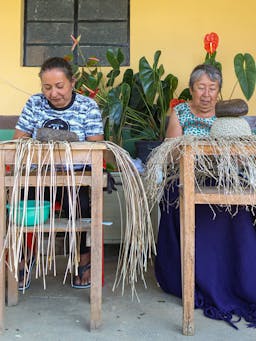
48, 134
231, 107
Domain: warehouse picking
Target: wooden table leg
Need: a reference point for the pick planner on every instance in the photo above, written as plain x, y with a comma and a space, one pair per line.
2, 235
181, 235
12, 296
188, 240
96, 238
12, 289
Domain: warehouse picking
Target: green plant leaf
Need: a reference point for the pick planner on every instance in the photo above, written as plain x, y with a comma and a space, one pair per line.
148, 77
125, 95
107, 129
156, 58
89, 80
94, 71
118, 99
137, 99
112, 76
110, 167
169, 85
245, 71
160, 71
92, 62
211, 59
115, 57
147, 134
111, 57
99, 77
120, 56
115, 109
185, 94
128, 77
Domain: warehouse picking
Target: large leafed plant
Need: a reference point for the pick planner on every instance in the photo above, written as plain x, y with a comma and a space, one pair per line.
137, 100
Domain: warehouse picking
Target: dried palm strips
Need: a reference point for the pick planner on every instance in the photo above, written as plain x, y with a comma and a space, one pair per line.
231, 166
137, 240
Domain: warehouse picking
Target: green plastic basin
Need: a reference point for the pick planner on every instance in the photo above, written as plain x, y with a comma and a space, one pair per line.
33, 214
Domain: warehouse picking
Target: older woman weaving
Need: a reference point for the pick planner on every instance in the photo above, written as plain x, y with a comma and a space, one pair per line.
225, 267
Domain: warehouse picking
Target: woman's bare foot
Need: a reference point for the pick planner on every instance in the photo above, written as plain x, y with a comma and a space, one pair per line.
84, 271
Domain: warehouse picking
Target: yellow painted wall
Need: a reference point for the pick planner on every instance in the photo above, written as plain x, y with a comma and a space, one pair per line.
175, 27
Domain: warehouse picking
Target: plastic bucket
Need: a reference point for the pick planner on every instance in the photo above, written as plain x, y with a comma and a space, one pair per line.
31, 212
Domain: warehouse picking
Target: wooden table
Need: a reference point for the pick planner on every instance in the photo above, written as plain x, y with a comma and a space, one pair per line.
189, 197
93, 154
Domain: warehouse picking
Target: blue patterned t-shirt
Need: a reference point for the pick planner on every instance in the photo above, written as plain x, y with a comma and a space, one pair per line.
191, 124
82, 116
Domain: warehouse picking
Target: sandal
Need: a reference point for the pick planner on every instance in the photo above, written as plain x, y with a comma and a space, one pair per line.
81, 270
23, 286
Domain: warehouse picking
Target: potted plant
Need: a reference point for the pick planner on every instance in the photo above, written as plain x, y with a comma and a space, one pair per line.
151, 93
139, 102
136, 104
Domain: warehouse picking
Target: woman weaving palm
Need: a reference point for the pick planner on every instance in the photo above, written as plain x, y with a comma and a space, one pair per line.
225, 267
59, 107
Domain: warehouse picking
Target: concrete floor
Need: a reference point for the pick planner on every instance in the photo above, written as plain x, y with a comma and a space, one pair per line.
61, 313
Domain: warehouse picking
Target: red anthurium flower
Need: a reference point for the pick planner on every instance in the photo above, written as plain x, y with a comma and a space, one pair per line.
92, 94
176, 101
211, 42
75, 40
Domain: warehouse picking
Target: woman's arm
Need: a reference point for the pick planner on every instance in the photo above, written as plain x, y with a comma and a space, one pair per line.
95, 138
19, 134
174, 128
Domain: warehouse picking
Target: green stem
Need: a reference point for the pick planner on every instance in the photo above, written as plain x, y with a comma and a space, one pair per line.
151, 117
80, 53
163, 111
233, 89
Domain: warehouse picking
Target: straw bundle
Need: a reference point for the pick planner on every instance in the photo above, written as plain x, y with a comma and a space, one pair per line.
137, 240
230, 172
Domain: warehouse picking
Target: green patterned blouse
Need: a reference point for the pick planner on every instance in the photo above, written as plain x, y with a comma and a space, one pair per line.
191, 124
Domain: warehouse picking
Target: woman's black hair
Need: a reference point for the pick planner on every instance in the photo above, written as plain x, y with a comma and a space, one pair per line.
57, 63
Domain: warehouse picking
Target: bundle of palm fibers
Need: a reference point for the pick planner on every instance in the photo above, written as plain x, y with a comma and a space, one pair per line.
137, 240
231, 167
23, 170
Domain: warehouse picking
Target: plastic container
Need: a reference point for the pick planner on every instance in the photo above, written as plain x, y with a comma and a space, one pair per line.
33, 214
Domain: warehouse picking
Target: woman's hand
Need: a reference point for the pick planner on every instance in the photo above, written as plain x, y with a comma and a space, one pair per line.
19, 134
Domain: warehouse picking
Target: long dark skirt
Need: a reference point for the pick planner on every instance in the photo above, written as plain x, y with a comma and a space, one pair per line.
225, 265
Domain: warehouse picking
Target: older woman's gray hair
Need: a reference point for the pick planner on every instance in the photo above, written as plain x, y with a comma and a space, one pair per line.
205, 69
